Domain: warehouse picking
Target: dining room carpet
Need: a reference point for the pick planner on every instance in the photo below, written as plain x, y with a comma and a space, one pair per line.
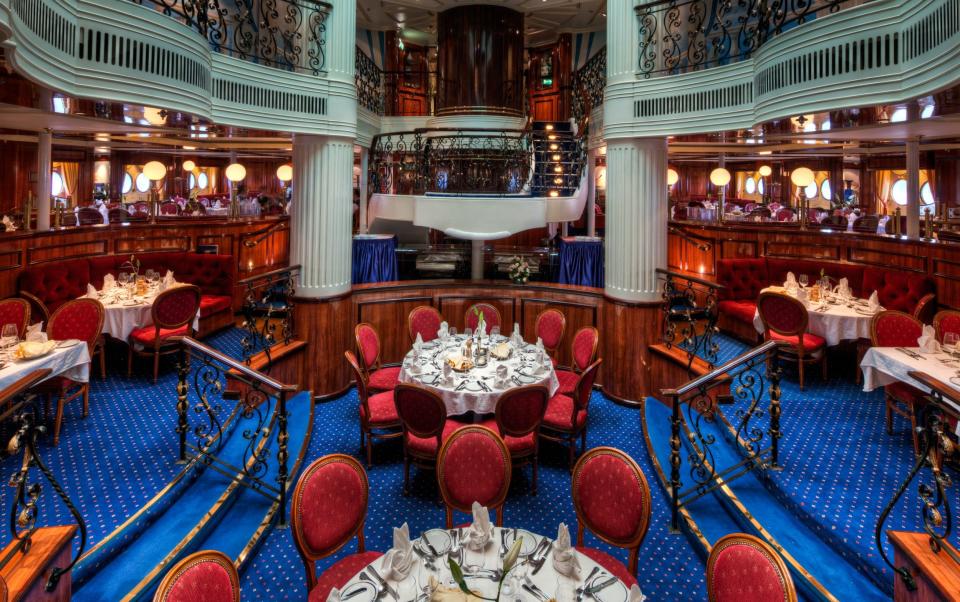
840, 469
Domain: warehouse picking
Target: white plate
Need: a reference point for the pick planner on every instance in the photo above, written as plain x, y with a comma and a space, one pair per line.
530, 540
361, 591
616, 592
438, 538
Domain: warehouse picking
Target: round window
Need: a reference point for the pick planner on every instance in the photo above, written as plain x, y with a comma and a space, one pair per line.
926, 194
143, 182
751, 185
760, 186
899, 192
202, 181
826, 190
127, 184
56, 184
193, 182
811, 190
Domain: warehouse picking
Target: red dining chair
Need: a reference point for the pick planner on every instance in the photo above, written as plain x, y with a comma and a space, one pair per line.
566, 416
785, 320
328, 509
38, 309
173, 312
946, 320
491, 316
474, 466
207, 575
80, 319
423, 417
926, 308
739, 561
549, 328
15, 311
378, 413
425, 321
612, 499
518, 417
898, 329
583, 350
368, 346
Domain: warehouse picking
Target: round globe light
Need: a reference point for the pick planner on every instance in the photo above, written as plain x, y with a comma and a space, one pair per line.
235, 172
155, 170
765, 170
802, 177
285, 173
189, 165
720, 177
672, 177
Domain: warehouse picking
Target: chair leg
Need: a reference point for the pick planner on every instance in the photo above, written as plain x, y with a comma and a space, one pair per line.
913, 432
129, 362
406, 474
571, 447
59, 419
583, 440
535, 462
86, 399
156, 365
800, 362
889, 416
103, 363
369, 451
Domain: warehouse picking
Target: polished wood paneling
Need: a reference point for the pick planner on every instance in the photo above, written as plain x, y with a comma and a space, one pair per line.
389, 317
937, 575
454, 307
25, 576
577, 313
626, 332
326, 326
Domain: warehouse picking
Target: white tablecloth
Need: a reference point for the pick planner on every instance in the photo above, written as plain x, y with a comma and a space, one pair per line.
474, 390
72, 362
838, 323
120, 318
363, 585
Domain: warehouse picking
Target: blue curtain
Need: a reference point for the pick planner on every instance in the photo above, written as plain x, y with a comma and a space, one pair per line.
374, 259
581, 262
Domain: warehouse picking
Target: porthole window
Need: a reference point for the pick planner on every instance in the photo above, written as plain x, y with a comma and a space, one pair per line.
899, 192
826, 190
56, 184
751, 185
202, 181
193, 182
143, 182
760, 186
127, 185
926, 194
811, 190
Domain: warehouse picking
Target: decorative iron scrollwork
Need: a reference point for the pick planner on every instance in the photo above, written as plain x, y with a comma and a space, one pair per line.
369, 81
690, 315
588, 85
267, 310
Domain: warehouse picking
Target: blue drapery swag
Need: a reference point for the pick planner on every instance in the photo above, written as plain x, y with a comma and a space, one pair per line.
374, 259
581, 261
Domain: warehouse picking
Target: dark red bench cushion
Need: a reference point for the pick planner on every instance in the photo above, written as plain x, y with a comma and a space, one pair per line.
214, 274
211, 304
743, 278
900, 291
56, 283
741, 310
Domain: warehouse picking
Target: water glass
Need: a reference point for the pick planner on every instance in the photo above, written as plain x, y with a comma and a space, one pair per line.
453, 332
804, 280
495, 331
9, 338
950, 340
468, 332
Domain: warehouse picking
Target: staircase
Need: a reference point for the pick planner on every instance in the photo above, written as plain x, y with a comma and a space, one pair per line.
220, 504
558, 159
741, 496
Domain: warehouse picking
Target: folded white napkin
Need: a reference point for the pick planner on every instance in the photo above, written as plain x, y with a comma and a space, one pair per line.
503, 377
843, 288
928, 340
540, 344
35, 333
873, 302
516, 335
444, 330
109, 282
481, 326
791, 280
565, 559
418, 343
396, 563
168, 279
478, 534
334, 595
8, 224
92, 292
635, 594
447, 375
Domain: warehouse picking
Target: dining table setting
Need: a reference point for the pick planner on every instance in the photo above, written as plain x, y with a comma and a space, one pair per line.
128, 300
470, 372
484, 562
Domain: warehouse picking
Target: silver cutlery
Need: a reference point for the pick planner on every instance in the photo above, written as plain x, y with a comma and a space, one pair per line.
383, 582
909, 353
543, 557
598, 587
536, 591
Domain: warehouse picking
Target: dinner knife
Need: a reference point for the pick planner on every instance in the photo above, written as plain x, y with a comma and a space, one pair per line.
598, 587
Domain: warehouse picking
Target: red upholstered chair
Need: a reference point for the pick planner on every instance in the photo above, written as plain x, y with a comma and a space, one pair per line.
785, 320
946, 320
378, 414
80, 319
207, 575
926, 308
368, 347
583, 350
15, 311
474, 466
423, 417
612, 499
169, 208
897, 329
424, 320
38, 309
491, 315
328, 509
566, 416
518, 417
745, 568
173, 313
549, 328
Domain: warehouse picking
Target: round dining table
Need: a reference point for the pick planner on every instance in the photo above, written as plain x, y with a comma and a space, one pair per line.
476, 390
123, 313
534, 578
834, 320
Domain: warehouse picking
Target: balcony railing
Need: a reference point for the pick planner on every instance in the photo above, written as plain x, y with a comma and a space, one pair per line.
680, 36
588, 84
284, 34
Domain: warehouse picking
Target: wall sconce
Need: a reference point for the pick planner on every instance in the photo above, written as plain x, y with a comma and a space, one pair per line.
765, 171
801, 178
235, 174
189, 165
672, 177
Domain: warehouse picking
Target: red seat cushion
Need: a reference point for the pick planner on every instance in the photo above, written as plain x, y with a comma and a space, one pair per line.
382, 409
559, 411
811, 342
340, 573
384, 379
740, 310
428, 446
568, 380
211, 304
905, 393
516, 445
146, 335
610, 564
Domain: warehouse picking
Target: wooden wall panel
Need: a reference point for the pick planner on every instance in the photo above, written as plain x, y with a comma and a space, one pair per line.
148, 244
578, 315
454, 308
389, 317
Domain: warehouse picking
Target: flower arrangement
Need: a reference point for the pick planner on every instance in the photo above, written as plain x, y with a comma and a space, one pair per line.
519, 270
132, 264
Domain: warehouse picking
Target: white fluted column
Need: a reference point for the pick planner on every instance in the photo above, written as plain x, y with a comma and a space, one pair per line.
44, 171
321, 221
636, 223
913, 188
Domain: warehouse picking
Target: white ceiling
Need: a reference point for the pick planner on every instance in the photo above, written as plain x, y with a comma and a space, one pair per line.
543, 19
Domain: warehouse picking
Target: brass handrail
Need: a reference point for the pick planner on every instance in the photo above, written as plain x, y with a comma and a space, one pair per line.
718, 372
238, 366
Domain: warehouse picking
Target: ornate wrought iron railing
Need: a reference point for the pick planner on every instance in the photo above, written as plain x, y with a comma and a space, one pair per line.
679, 36
369, 80
268, 312
25, 508
752, 420
938, 446
259, 412
690, 315
588, 84
285, 34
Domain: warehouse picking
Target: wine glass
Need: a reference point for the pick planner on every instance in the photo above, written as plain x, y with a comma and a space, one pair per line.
804, 280
950, 341
453, 332
9, 338
494, 332
468, 332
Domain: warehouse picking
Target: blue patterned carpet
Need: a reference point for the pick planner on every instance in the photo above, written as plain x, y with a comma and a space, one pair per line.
840, 469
